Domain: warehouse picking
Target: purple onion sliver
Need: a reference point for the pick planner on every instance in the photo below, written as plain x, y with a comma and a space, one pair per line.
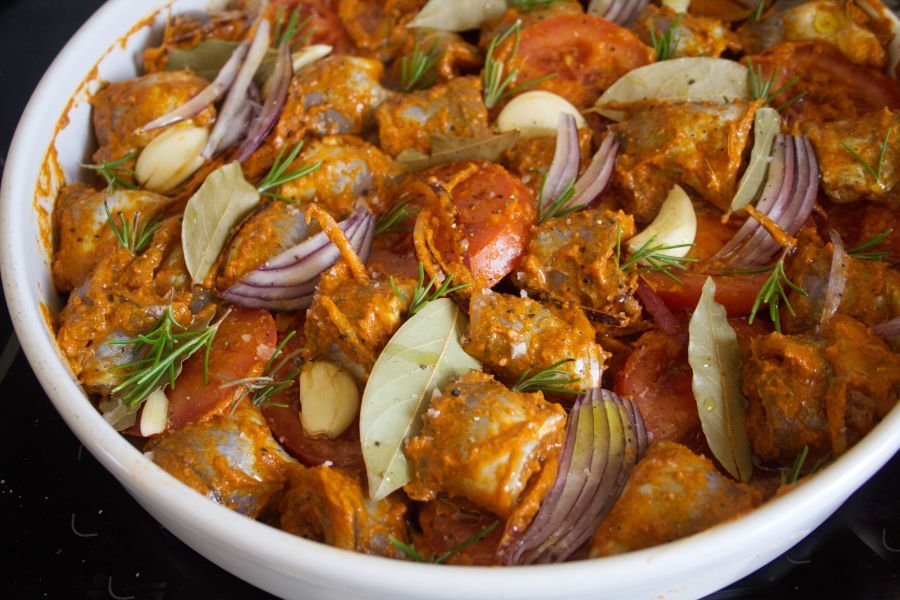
664, 318
272, 293
597, 176
207, 96
274, 105
302, 250
242, 119
837, 279
566, 157
888, 328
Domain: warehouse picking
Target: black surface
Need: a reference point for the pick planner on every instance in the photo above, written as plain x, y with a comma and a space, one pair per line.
72, 532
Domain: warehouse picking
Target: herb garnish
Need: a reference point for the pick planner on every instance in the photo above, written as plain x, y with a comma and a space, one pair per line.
410, 550
549, 379
793, 475
665, 43
495, 84
559, 207
761, 89
772, 293
262, 388
529, 5
420, 296
391, 221
874, 172
164, 347
277, 175
114, 173
285, 32
417, 70
135, 235
757, 13
654, 257
859, 252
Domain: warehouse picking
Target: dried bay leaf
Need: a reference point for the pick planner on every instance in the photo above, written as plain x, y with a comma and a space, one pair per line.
425, 354
457, 15
448, 149
715, 359
220, 203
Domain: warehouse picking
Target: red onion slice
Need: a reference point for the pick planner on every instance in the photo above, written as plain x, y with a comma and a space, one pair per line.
605, 437
275, 101
597, 176
288, 281
237, 94
566, 159
888, 328
247, 113
620, 12
837, 279
664, 318
210, 93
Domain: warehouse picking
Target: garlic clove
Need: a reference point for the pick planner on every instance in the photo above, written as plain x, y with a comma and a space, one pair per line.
536, 113
155, 415
309, 55
329, 399
171, 157
674, 225
679, 6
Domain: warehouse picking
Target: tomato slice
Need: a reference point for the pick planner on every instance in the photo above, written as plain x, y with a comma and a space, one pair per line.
323, 21
585, 54
833, 86
736, 293
241, 349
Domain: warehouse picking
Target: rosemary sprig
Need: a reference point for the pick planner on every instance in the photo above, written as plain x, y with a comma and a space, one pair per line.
559, 207
529, 5
135, 235
496, 86
792, 475
287, 31
773, 292
757, 13
279, 175
549, 379
875, 172
392, 220
761, 89
421, 295
859, 252
665, 43
417, 70
261, 389
654, 258
410, 550
164, 347
114, 173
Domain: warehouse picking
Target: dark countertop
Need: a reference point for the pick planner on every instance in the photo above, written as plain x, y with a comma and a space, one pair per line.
74, 532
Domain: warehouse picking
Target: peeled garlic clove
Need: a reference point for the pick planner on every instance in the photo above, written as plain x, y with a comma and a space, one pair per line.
155, 415
309, 54
329, 399
457, 15
676, 224
679, 6
171, 157
536, 113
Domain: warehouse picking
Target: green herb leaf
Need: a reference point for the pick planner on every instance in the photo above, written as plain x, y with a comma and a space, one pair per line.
761, 89
279, 175
559, 207
665, 43
417, 70
220, 203
529, 5
715, 360
651, 257
859, 252
410, 550
135, 235
447, 149
496, 85
421, 296
550, 379
116, 175
261, 389
875, 172
425, 354
772, 293
286, 32
392, 221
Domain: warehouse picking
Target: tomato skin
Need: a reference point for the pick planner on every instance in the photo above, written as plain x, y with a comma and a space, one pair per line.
736, 293
241, 348
587, 54
833, 86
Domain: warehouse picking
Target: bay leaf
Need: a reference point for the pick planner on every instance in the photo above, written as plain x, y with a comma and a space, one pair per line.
448, 149
715, 359
208, 57
425, 354
766, 127
214, 209
457, 15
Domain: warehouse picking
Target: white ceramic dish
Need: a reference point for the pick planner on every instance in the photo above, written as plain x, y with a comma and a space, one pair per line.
276, 561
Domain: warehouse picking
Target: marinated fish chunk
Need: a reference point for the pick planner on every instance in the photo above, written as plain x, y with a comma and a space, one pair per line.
691, 36
122, 108
693, 144
573, 259
824, 20
330, 505
671, 493
844, 177
824, 391
454, 56
482, 442
512, 335
232, 459
378, 29
83, 233
454, 108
